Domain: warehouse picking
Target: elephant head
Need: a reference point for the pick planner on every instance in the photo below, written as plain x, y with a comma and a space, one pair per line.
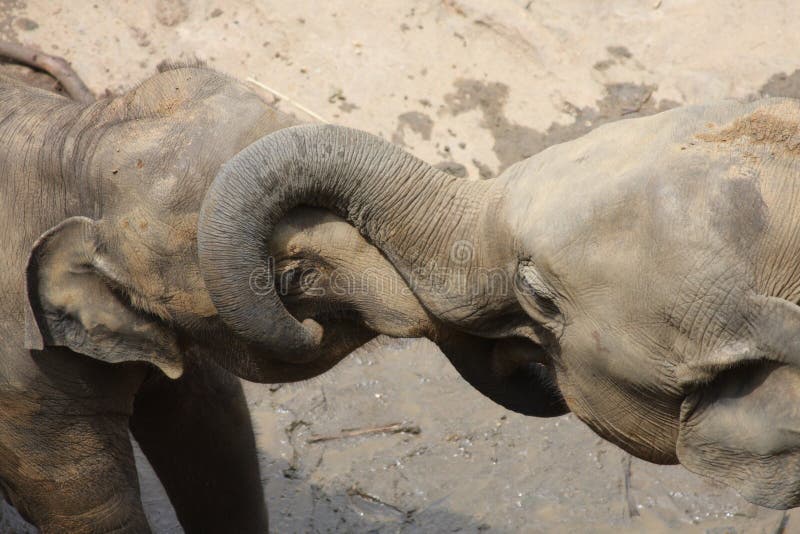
422, 253
653, 259
327, 272
113, 273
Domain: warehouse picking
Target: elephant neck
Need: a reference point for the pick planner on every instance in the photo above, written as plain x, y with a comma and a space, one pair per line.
40, 157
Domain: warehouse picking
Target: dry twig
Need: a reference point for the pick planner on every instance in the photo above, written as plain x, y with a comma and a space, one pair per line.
630, 504
282, 96
394, 428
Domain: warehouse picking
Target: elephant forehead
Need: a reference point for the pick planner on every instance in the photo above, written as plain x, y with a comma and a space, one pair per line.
164, 142
165, 165
611, 166
155, 153
645, 196
158, 251
313, 231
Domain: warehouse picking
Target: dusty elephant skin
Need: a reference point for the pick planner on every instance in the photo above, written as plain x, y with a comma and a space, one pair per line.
99, 229
654, 259
91, 204
99, 213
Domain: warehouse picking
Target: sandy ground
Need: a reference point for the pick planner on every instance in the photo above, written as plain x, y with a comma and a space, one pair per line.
472, 85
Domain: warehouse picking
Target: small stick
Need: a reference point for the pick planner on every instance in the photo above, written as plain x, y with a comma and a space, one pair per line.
394, 428
781, 528
630, 503
282, 96
55, 66
357, 492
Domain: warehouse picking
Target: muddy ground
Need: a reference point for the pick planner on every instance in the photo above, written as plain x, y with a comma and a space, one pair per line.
472, 85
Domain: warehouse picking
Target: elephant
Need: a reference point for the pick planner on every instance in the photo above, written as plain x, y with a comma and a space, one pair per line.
98, 197
328, 271
652, 261
108, 326
73, 170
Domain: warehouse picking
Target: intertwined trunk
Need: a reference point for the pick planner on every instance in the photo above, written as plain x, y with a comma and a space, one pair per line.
434, 228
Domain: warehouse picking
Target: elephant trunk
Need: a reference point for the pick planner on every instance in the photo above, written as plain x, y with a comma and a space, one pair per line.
431, 226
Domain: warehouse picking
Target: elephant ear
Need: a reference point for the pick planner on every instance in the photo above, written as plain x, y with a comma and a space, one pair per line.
76, 301
743, 429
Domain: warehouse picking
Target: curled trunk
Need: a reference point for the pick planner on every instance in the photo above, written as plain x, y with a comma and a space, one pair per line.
431, 226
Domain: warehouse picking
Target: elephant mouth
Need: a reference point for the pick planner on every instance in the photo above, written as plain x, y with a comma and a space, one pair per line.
253, 362
335, 315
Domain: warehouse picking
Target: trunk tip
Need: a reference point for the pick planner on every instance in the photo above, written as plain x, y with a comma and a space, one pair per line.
315, 330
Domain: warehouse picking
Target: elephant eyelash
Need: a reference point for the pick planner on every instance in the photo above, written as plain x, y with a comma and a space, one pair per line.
532, 283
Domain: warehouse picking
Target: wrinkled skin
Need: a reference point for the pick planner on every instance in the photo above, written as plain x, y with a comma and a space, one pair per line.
654, 260
331, 273
65, 455
107, 326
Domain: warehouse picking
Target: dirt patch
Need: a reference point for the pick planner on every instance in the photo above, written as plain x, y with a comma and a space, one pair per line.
172, 12
764, 126
25, 24
782, 84
514, 142
8, 11
415, 121
619, 52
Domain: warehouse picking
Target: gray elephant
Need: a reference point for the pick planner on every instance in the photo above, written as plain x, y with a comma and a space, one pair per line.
99, 204
84, 178
328, 272
653, 260
107, 325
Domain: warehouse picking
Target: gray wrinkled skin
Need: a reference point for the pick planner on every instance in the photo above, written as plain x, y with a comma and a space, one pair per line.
675, 266
98, 224
100, 267
656, 261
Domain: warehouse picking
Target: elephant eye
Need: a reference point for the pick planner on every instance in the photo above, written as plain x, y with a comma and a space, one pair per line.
288, 281
529, 280
296, 280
